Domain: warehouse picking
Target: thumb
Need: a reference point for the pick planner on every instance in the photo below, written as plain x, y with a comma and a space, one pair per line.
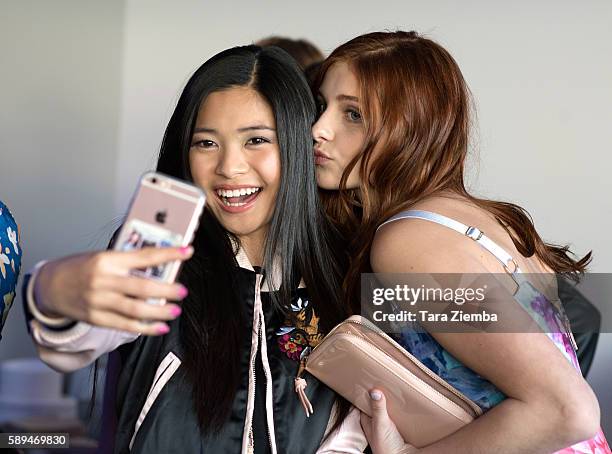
386, 437
378, 404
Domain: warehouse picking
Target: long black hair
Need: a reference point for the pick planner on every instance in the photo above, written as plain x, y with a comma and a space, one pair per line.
211, 327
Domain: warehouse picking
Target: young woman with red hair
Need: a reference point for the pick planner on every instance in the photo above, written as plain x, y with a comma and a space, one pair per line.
391, 143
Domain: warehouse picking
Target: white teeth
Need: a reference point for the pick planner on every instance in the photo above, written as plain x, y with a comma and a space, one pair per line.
236, 192
226, 203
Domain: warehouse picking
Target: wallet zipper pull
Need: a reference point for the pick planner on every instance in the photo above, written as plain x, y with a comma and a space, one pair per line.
300, 385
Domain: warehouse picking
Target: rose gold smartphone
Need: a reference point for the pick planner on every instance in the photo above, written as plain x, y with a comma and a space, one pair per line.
164, 212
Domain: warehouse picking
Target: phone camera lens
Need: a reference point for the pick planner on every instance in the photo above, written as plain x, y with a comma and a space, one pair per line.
160, 217
153, 180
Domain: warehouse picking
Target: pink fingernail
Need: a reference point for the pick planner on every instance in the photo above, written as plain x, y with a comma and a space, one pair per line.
186, 250
175, 311
183, 292
163, 329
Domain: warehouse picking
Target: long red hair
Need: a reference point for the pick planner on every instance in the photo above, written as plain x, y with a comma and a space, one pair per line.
416, 108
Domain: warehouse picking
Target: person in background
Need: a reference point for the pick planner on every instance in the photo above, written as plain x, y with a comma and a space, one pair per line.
303, 51
10, 261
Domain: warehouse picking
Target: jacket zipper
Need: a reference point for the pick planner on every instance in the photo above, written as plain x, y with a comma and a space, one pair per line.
251, 441
248, 443
268, 384
257, 324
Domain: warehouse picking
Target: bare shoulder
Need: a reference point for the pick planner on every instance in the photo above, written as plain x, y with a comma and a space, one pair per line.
420, 246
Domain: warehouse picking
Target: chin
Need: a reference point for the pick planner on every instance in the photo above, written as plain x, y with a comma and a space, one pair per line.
328, 182
239, 229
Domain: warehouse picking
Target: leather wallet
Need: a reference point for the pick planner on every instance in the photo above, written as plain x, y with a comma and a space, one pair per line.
357, 356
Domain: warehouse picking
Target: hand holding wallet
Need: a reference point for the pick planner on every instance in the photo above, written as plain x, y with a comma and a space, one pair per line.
356, 356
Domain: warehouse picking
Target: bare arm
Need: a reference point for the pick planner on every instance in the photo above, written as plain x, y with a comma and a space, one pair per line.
108, 304
549, 406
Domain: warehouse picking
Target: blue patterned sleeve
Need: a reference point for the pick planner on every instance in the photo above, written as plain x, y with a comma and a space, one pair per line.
10, 261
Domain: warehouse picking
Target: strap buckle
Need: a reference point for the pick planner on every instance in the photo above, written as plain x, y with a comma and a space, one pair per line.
474, 233
507, 266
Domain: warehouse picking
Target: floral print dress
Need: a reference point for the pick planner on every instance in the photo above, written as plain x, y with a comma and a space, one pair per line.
484, 393
10, 261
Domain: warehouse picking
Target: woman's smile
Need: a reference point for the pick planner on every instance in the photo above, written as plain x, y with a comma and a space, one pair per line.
239, 198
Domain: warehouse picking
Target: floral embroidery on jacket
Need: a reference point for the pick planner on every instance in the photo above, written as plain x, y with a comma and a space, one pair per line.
300, 333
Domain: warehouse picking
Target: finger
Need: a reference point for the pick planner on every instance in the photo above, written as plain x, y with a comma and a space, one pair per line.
378, 404
151, 256
384, 431
140, 310
116, 321
143, 288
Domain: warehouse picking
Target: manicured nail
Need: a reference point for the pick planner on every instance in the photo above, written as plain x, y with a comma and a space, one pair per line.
163, 329
183, 292
175, 311
376, 395
187, 250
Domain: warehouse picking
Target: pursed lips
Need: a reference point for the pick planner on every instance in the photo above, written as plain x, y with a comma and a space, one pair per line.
319, 153
320, 157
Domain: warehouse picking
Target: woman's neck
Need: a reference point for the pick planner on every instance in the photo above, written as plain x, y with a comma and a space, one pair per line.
253, 246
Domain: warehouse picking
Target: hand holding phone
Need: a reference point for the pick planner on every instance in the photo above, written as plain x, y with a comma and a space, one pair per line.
164, 212
109, 288
98, 288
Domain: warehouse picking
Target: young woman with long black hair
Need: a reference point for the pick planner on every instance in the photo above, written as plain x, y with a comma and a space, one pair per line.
259, 288
391, 144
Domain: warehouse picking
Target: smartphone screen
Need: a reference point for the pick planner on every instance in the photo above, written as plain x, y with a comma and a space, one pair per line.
141, 235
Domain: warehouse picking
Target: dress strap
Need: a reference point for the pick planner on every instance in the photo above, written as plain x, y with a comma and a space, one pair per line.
474, 233
500, 253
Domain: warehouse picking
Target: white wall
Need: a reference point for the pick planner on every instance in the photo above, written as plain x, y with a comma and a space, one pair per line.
540, 72
60, 81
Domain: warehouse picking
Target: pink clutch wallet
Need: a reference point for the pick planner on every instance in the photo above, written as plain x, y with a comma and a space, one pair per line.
357, 356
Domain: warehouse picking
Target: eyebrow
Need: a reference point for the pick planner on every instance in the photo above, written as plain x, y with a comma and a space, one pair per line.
347, 98
244, 129
342, 97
